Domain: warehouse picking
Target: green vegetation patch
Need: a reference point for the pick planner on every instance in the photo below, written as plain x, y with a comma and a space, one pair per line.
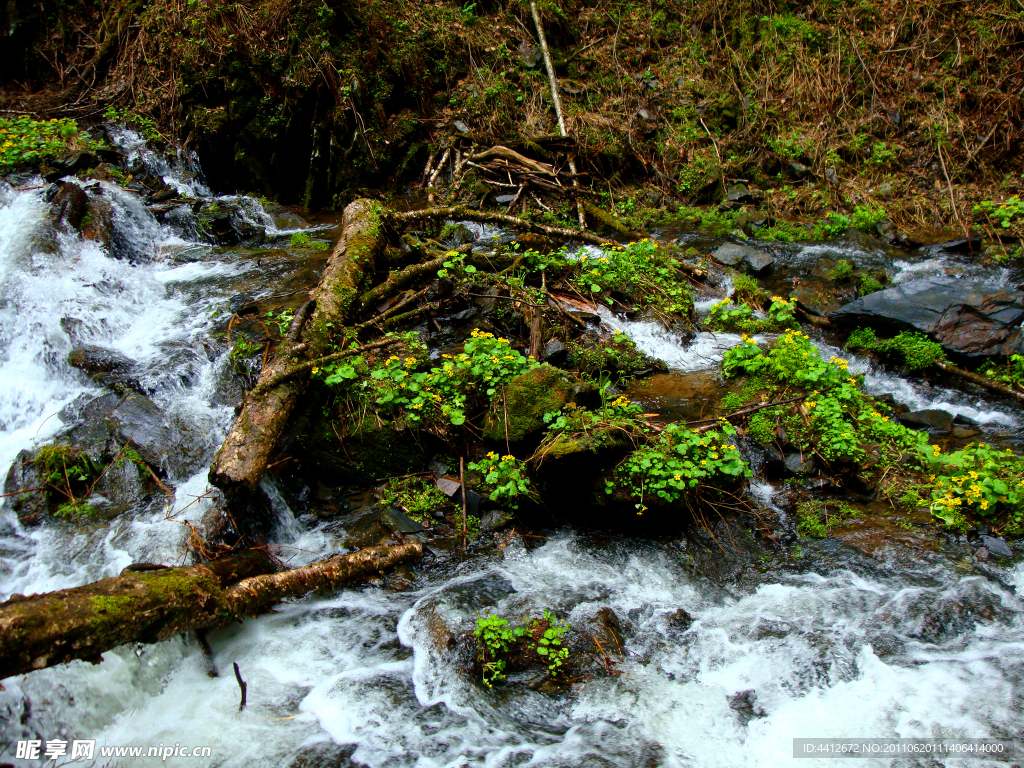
539, 640
617, 357
729, 316
24, 141
418, 496
914, 350
816, 519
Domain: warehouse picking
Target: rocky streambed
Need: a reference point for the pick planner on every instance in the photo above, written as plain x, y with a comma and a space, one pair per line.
693, 642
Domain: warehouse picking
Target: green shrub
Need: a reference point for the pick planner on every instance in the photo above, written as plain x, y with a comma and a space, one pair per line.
417, 495
869, 284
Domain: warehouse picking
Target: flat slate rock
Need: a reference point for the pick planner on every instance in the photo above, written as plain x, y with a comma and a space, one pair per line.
970, 319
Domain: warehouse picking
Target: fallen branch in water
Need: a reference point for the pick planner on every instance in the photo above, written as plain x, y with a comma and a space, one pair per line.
153, 605
742, 412
982, 381
460, 212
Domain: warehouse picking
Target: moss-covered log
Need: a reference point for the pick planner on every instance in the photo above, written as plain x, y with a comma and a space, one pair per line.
239, 465
149, 606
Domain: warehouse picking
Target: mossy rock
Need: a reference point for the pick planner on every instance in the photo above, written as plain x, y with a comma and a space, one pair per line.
617, 356
519, 413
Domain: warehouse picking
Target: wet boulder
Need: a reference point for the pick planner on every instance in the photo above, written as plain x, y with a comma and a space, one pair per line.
933, 420
22, 487
104, 425
818, 296
754, 261
68, 205
970, 319
518, 414
106, 366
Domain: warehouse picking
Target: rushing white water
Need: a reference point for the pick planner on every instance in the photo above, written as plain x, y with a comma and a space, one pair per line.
367, 677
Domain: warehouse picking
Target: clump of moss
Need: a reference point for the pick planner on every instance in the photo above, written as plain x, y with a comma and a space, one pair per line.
418, 496
915, 350
817, 519
617, 357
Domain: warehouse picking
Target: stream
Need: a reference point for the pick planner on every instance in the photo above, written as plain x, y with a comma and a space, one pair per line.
723, 664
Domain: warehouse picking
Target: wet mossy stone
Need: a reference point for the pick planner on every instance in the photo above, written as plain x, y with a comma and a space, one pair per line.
518, 412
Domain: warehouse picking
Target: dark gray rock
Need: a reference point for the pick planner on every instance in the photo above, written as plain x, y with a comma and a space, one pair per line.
745, 705
962, 246
555, 352
799, 170
106, 366
458, 235
398, 521
819, 296
799, 464
832, 176
996, 546
460, 126
103, 425
970, 319
27, 504
496, 519
743, 257
122, 487
932, 420
68, 204
742, 194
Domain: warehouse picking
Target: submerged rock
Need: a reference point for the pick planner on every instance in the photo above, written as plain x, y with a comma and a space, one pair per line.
968, 318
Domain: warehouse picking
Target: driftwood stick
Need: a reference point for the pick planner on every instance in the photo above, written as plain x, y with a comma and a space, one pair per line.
398, 280
557, 101
457, 212
146, 607
308, 366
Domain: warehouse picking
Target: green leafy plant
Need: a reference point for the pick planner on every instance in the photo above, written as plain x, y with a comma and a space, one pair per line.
282, 319
644, 271
914, 349
1010, 373
455, 266
816, 519
445, 393
549, 645
842, 270
676, 462
505, 478
418, 496
869, 284
979, 479
494, 637
725, 316
145, 124
1005, 214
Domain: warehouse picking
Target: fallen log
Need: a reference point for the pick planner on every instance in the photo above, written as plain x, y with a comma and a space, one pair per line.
241, 461
154, 605
511, 155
